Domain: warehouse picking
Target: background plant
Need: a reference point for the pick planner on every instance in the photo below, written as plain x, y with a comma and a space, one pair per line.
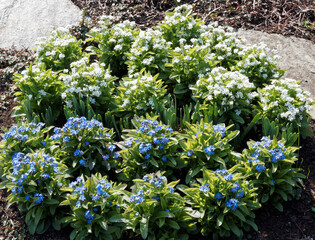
59, 50
93, 202
86, 146
113, 42
221, 203
139, 95
35, 187
270, 166
206, 145
155, 209
39, 94
152, 146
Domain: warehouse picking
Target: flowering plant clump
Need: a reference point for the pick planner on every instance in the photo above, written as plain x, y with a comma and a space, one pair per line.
39, 94
180, 24
86, 146
93, 202
258, 66
206, 145
149, 51
228, 95
222, 202
270, 166
88, 82
35, 187
188, 63
140, 94
155, 209
151, 147
284, 99
113, 42
59, 50
21, 137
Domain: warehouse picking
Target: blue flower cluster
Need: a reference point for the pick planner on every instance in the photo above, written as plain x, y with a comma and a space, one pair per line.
238, 190
101, 189
23, 132
151, 127
79, 190
232, 203
39, 198
89, 216
138, 197
75, 125
219, 128
204, 188
27, 166
153, 179
218, 196
275, 153
224, 173
209, 150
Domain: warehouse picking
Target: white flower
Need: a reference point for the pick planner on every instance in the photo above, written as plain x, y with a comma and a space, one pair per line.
118, 47
61, 56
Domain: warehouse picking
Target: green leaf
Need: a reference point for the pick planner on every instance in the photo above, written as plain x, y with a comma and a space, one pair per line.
220, 219
38, 215
164, 214
173, 224
144, 227
118, 218
239, 215
264, 198
237, 118
235, 229
51, 201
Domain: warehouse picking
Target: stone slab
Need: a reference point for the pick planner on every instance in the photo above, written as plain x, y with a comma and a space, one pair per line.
297, 56
22, 22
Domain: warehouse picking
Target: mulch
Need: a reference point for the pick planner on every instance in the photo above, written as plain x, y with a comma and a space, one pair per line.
286, 17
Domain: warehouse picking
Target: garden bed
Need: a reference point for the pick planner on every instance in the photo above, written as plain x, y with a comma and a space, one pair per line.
294, 223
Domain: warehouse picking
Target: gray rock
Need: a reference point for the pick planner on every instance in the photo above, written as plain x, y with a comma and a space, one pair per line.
297, 56
22, 22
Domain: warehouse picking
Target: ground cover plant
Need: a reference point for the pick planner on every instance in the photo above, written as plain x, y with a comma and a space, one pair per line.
151, 142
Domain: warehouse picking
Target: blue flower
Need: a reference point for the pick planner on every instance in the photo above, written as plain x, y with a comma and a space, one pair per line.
89, 216
204, 188
171, 189
161, 147
27, 197
273, 182
260, 168
111, 148
164, 159
147, 156
40, 197
232, 203
209, 150
44, 142
276, 154
87, 143
219, 128
77, 152
190, 153
45, 175
82, 162
218, 196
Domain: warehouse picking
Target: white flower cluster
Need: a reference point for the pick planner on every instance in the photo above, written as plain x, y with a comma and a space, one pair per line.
59, 38
137, 92
285, 98
148, 48
228, 89
86, 81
